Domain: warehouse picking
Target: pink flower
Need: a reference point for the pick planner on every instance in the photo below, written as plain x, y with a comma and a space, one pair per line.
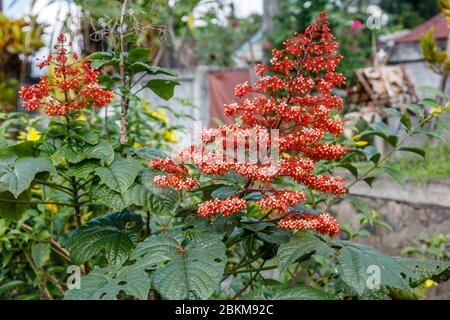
357, 25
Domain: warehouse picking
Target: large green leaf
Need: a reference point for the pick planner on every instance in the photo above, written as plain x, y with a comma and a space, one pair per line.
77, 152
120, 174
163, 88
154, 199
302, 244
301, 293
83, 169
191, 271
110, 198
10, 210
357, 262
104, 284
422, 270
18, 179
109, 233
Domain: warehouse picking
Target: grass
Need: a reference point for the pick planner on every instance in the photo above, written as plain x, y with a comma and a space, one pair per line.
436, 164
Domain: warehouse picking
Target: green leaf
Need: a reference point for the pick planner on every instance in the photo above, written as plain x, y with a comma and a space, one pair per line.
103, 284
301, 293
163, 88
443, 124
76, 153
418, 151
432, 90
100, 56
351, 168
13, 210
139, 54
302, 244
109, 233
416, 109
137, 67
369, 180
381, 127
393, 112
120, 174
224, 192
406, 121
394, 173
103, 151
19, 179
10, 285
82, 170
356, 264
40, 252
422, 270
85, 134
429, 102
191, 271
153, 198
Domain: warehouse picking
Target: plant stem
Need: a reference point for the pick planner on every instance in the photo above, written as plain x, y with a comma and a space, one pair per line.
57, 248
124, 99
237, 295
384, 158
77, 208
255, 270
36, 202
54, 186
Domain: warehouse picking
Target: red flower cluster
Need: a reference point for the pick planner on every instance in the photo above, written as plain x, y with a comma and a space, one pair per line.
281, 200
289, 107
224, 207
323, 223
73, 85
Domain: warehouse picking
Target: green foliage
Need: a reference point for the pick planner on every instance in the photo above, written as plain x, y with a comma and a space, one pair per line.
110, 234
363, 269
120, 174
191, 271
301, 246
436, 58
104, 284
16, 177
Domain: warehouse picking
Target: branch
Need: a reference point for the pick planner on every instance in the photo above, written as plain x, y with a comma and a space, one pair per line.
124, 99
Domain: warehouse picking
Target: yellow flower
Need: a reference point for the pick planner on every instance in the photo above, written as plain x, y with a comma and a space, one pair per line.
82, 117
31, 134
86, 217
429, 283
170, 136
361, 143
52, 208
145, 106
159, 114
190, 20
137, 145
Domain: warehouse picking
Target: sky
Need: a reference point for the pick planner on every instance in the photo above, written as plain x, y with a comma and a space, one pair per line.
21, 7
